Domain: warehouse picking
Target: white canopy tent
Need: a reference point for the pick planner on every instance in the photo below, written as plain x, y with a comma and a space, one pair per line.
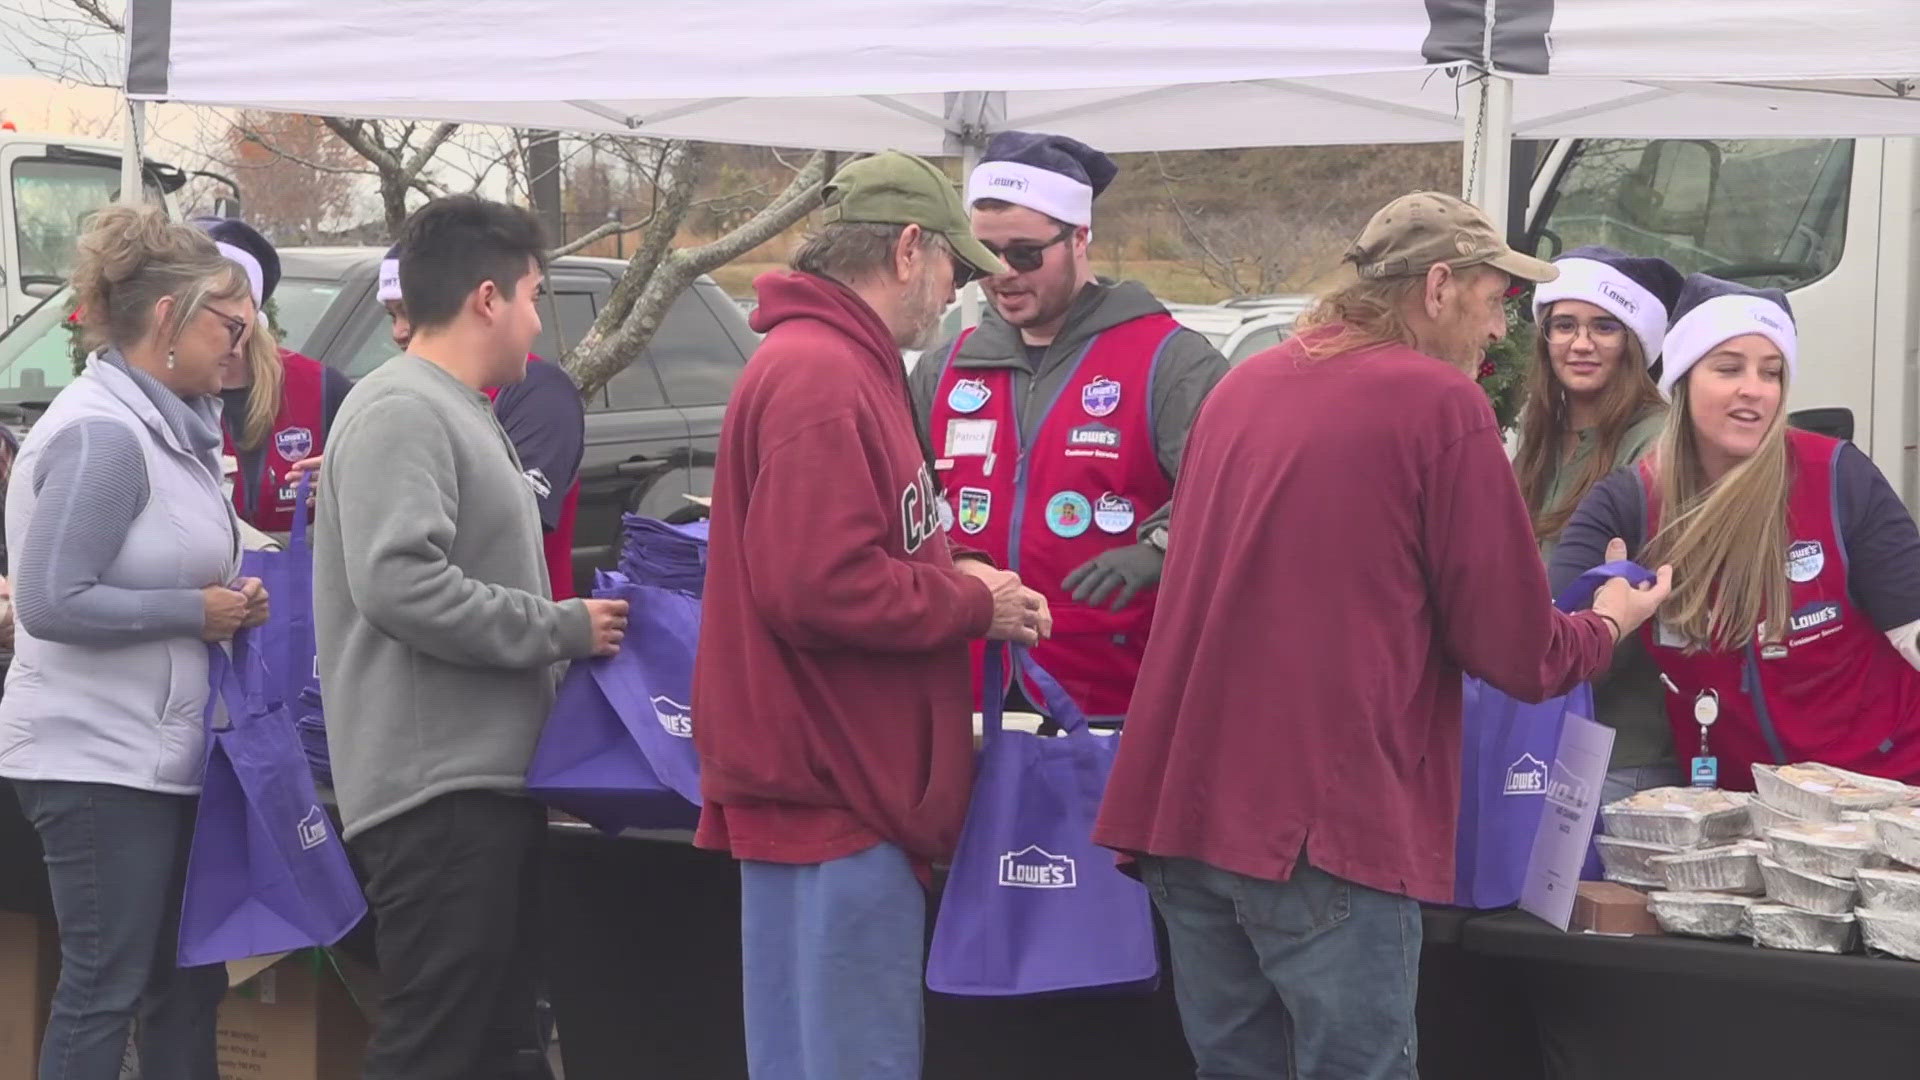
940, 76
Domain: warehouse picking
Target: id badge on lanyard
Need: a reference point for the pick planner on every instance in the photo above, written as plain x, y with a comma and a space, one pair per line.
1706, 767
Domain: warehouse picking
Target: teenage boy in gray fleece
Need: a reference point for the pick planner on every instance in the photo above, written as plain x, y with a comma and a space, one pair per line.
437, 646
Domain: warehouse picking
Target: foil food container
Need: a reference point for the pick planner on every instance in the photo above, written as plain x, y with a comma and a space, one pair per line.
1808, 892
1630, 862
1679, 818
1767, 817
1776, 926
1891, 891
1898, 833
1892, 932
1733, 868
1838, 849
1823, 793
1700, 914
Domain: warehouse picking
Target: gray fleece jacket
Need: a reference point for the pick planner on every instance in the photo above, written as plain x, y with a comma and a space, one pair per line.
436, 636
1187, 372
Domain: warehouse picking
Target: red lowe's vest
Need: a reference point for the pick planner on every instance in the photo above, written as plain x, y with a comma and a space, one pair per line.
1091, 474
298, 433
557, 545
1833, 690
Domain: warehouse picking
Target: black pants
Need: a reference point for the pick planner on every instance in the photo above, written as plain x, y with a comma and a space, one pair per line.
452, 885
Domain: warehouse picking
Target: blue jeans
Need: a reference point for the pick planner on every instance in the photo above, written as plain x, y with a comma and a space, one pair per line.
1313, 978
832, 964
116, 861
1626, 781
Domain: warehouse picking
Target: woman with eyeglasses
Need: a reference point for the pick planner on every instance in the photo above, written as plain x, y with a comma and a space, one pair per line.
1790, 634
278, 404
126, 558
1592, 407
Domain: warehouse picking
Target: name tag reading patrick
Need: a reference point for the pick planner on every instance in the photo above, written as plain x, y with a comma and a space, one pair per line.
969, 438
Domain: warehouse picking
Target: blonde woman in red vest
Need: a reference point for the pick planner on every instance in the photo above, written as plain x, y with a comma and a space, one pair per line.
276, 404
1790, 635
1058, 424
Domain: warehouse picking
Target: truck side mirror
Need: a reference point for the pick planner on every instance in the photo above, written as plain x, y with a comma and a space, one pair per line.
1670, 191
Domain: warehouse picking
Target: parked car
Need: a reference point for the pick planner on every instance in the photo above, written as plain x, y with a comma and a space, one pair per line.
651, 433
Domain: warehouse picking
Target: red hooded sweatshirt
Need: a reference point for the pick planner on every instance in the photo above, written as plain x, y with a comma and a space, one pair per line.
831, 691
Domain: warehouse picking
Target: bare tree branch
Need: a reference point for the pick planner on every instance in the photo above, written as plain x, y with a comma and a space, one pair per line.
587, 240
93, 10
776, 217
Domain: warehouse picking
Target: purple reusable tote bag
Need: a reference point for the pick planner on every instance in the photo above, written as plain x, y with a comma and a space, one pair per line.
617, 750
267, 872
1506, 751
286, 642
1032, 905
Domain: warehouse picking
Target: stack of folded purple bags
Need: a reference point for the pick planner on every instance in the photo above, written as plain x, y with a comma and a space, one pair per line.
665, 556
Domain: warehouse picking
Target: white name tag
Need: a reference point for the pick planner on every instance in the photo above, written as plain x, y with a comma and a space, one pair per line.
969, 438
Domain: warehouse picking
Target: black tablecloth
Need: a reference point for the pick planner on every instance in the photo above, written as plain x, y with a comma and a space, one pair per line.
644, 974
1671, 1008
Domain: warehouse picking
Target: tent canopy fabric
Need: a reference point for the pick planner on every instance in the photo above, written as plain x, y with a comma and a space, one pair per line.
937, 76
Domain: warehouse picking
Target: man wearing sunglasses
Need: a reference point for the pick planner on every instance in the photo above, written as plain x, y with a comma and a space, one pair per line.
1057, 425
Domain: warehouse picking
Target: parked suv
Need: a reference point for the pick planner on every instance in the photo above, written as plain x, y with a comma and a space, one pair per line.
651, 433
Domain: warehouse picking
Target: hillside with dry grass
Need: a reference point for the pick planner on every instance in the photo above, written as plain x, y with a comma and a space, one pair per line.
1196, 226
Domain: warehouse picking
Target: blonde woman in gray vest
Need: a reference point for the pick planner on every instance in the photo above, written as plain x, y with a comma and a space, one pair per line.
125, 558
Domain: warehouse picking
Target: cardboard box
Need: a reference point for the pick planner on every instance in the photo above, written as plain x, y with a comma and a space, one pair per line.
295, 1017
1607, 907
29, 968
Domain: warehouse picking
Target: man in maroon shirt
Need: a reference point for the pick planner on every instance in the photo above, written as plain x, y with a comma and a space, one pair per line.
1347, 539
832, 698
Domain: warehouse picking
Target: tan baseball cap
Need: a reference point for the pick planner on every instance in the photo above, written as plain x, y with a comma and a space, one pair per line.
1413, 232
895, 188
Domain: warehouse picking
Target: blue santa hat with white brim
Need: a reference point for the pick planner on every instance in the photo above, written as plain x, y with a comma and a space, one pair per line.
241, 244
1712, 312
389, 290
1640, 292
1055, 175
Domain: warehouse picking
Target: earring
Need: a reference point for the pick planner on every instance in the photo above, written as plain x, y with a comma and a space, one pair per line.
171, 363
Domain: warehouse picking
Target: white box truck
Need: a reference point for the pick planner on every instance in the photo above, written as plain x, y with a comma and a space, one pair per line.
1831, 221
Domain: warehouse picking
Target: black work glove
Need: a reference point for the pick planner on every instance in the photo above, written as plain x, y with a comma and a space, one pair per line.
1125, 571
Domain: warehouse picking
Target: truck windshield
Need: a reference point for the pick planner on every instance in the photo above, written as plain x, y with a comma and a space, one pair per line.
51, 201
1760, 211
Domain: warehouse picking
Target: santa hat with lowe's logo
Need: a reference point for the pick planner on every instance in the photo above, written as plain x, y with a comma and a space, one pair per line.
1712, 312
1058, 176
241, 243
389, 276
1639, 292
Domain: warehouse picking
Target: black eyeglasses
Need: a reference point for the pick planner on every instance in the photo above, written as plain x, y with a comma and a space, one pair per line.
1024, 256
236, 327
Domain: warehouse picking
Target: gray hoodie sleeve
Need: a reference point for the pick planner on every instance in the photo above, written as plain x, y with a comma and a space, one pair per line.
91, 483
1187, 373
396, 495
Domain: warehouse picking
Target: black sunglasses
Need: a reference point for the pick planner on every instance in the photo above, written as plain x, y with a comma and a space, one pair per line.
964, 273
1024, 256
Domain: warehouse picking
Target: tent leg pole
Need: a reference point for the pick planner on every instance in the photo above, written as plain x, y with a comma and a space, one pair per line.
130, 159
971, 297
1487, 152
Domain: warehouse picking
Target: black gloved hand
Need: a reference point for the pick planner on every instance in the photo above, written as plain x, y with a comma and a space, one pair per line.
1126, 570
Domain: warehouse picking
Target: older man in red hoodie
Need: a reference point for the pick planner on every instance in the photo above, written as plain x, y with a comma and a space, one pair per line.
832, 695
1347, 539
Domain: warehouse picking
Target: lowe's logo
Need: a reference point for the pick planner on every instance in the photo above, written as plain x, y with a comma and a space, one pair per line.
1034, 867
1528, 776
1812, 616
675, 717
1617, 295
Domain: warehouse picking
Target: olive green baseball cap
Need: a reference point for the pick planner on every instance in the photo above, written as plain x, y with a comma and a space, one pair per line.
1413, 232
893, 188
